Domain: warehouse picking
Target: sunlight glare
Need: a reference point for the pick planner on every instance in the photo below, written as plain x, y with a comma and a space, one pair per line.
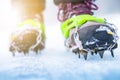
8, 15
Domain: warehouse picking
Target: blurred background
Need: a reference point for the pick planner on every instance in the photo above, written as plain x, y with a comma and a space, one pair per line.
108, 6
105, 7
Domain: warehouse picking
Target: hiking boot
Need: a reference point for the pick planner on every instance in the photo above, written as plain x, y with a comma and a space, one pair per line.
30, 32
85, 33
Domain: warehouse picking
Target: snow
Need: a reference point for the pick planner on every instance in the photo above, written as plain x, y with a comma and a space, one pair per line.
55, 62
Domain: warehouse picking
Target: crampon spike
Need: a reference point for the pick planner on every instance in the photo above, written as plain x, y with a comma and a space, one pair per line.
101, 54
13, 54
85, 56
112, 53
75, 50
95, 52
92, 53
79, 56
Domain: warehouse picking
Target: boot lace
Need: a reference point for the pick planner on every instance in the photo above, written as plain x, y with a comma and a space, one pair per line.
67, 10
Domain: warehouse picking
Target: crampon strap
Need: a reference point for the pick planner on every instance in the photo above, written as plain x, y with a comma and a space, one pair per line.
78, 21
33, 23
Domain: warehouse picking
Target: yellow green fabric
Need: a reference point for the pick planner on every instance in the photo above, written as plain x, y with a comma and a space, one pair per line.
33, 23
78, 21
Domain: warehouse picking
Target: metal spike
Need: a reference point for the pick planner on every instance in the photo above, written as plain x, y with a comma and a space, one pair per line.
79, 55
36, 53
13, 54
25, 53
92, 53
95, 52
75, 50
85, 56
101, 54
112, 53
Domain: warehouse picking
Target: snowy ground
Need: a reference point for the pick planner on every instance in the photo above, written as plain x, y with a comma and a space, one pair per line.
55, 62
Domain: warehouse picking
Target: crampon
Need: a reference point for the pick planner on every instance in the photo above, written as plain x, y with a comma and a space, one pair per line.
94, 39
27, 38
29, 34
83, 32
